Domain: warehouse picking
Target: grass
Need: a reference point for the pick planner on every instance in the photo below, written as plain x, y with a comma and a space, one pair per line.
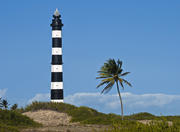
13, 121
78, 114
6, 128
132, 126
142, 116
87, 115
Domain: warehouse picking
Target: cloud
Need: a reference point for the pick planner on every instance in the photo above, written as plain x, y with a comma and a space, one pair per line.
40, 97
3, 92
131, 100
149, 100
133, 103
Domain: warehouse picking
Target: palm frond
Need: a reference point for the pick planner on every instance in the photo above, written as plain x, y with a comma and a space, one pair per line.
101, 77
121, 85
128, 83
105, 72
102, 83
125, 73
110, 66
120, 80
108, 79
119, 63
107, 90
119, 71
108, 87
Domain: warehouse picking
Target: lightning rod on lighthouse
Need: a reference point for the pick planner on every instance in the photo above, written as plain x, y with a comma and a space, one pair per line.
56, 63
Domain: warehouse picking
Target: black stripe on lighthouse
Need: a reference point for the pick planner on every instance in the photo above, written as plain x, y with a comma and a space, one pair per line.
56, 63
57, 94
56, 77
56, 60
57, 42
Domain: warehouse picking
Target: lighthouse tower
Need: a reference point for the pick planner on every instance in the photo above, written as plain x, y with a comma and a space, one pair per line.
56, 64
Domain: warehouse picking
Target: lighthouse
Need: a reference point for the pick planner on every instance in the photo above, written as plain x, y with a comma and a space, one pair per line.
56, 63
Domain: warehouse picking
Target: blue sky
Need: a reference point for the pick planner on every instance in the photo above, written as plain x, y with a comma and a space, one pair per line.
143, 34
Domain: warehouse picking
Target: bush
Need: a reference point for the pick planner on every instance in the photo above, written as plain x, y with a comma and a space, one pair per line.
141, 116
12, 121
14, 118
132, 126
14, 107
5, 128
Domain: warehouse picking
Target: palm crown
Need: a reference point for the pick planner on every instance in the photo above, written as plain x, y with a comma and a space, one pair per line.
111, 72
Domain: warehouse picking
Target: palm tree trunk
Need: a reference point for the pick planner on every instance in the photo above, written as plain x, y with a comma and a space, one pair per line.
120, 100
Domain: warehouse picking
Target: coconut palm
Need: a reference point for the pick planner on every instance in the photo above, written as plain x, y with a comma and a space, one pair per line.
14, 106
1, 105
111, 72
5, 103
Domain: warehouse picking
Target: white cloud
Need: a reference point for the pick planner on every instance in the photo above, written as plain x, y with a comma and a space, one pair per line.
109, 103
147, 100
131, 100
40, 97
3, 92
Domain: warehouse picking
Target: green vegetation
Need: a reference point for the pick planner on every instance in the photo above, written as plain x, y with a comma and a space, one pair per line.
154, 126
81, 114
12, 121
142, 116
88, 115
5, 128
14, 107
111, 73
4, 103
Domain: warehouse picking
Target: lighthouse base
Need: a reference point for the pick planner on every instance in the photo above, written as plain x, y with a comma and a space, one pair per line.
57, 101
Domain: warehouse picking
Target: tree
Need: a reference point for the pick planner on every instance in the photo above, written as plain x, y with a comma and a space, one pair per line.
1, 105
111, 73
14, 107
5, 103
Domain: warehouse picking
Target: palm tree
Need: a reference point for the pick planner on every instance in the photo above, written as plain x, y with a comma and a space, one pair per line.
14, 106
111, 73
5, 103
1, 105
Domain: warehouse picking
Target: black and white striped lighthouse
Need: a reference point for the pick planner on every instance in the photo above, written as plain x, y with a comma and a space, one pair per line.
56, 64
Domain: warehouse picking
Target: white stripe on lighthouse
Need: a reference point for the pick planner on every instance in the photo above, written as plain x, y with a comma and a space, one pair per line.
57, 100
56, 51
56, 68
56, 85
56, 33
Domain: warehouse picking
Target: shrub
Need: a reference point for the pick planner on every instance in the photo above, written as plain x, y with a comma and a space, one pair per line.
14, 107
5, 128
132, 126
12, 121
14, 118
